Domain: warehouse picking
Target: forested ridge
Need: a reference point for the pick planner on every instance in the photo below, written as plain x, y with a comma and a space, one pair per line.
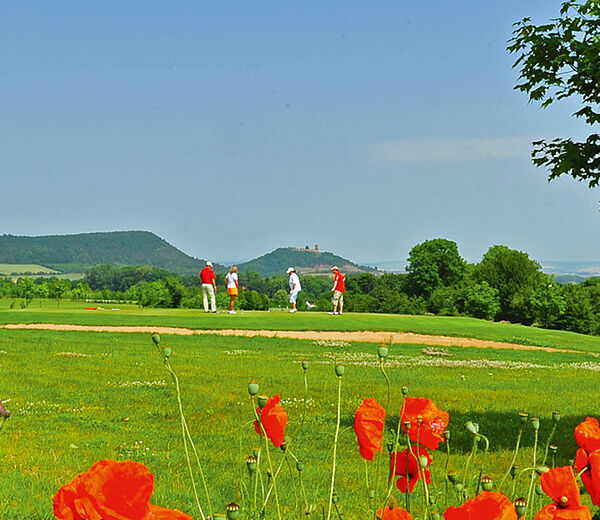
81, 251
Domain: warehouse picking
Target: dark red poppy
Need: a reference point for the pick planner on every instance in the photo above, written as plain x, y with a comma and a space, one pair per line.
368, 425
410, 471
488, 505
433, 421
112, 490
274, 420
394, 513
589, 467
587, 435
561, 486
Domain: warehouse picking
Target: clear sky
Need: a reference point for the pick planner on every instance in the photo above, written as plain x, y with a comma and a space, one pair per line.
231, 128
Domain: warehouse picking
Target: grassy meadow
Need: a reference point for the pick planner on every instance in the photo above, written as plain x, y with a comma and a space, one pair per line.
79, 397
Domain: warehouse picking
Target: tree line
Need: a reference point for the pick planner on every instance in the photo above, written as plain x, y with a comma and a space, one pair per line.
506, 285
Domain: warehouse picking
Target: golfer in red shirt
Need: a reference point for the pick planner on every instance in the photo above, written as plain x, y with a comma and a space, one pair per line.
209, 287
338, 290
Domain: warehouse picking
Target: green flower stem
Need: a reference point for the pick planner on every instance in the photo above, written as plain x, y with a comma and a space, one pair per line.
370, 501
485, 452
395, 450
184, 437
514, 486
468, 461
387, 405
302, 419
335, 441
548, 443
274, 480
446, 472
421, 471
535, 443
514, 458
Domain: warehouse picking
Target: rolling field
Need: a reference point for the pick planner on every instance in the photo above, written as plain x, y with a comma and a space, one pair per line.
17, 269
118, 314
79, 397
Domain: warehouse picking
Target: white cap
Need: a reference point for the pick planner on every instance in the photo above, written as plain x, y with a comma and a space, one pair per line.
209, 264
335, 268
290, 270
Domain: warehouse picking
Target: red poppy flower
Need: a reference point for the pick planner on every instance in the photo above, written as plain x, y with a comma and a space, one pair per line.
274, 420
488, 505
368, 425
394, 513
434, 421
591, 475
560, 485
112, 490
410, 472
587, 435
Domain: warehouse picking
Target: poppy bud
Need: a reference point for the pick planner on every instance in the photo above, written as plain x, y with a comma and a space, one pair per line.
406, 425
513, 471
458, 487
233, 511
299, 466
523, 416
476, 424
251, 464
453, 476
435, 515
167, 352
253, 388
447, 433
539, 491
556, 416
339, 370
520, 506
540, 470
334, 498
535, 422
305, 365
256, 452
419, 420
390, 446
470, 427
404, 390
423, 461
156, 338
382, 351
262, 401
487, 483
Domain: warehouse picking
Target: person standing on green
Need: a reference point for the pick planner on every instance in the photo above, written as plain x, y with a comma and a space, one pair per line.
338, 290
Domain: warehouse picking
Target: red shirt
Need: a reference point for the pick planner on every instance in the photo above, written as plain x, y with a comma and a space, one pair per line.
207, 275
339, 282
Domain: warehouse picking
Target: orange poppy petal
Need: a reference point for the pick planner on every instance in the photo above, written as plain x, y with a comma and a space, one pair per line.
434, 421
274, 420
587, 434
559, 483
488, 505
591, 479
368, 425
120, 490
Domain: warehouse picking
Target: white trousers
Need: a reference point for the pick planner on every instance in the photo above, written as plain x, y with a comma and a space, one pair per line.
208, 289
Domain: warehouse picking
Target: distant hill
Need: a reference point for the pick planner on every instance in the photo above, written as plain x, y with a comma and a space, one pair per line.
305, 262
71, 253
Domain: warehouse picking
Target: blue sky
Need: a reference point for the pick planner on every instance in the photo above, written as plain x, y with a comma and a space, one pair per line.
233, 128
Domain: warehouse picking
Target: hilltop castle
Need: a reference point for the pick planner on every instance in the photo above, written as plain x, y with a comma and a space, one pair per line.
306, 248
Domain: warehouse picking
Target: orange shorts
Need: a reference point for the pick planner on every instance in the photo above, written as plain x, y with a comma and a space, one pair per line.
232, 291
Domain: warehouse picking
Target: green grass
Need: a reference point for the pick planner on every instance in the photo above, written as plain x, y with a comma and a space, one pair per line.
47, 311
8, 269
79, 397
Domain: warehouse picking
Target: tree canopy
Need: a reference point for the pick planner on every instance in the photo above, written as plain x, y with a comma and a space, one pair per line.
559, 60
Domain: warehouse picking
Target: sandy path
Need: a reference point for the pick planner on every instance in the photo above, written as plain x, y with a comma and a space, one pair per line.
359, 336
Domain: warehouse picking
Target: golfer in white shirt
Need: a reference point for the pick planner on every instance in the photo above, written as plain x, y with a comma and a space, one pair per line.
295, 287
